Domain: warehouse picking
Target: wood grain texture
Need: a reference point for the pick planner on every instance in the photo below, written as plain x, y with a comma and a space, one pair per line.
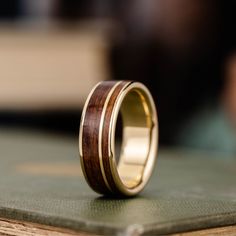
105, 135
221, 231
90, 137
19, 228
90, 141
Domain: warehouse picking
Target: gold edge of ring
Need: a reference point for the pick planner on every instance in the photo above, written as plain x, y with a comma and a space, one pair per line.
81, 129
101, 131
111, 140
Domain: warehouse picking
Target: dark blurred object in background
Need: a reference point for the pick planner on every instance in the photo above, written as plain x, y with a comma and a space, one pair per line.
178, 48
229, 91
73, 10
9, 9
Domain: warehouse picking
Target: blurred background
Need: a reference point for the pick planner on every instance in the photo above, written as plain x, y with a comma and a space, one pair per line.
52, 52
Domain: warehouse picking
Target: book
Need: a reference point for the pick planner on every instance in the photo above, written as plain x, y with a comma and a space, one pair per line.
42, 183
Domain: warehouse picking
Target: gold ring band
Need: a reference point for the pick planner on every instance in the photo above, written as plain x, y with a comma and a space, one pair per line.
129, 175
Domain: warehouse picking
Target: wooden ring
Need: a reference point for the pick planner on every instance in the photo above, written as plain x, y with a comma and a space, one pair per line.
139, 145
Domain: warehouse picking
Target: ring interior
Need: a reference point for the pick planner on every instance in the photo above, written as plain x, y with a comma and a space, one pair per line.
136, 115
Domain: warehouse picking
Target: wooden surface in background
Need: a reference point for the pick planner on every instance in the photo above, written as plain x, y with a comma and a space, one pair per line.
18, 228
50, 69
223, 231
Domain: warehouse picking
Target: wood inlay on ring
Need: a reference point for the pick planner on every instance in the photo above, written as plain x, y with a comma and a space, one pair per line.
90, 137
105, 93
105, 135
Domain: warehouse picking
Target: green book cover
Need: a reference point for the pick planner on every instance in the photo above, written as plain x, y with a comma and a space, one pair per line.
41, 181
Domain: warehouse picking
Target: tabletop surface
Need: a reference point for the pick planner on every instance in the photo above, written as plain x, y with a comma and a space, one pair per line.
41, 181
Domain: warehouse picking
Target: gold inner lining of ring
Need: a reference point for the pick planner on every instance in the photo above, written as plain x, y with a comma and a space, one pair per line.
136, 116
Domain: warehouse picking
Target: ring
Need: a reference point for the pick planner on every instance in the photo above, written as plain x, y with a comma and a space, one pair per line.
129, 175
